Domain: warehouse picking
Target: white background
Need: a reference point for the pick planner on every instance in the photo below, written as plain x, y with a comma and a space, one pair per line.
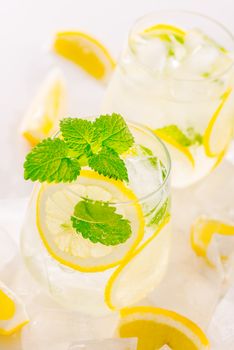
26, 30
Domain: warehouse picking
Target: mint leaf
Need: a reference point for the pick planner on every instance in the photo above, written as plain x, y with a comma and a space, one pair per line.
160, 214
50, 161
195, 137
179, 38
175, 133
113, 132
99, 222
78, 134
190, 138
108, 163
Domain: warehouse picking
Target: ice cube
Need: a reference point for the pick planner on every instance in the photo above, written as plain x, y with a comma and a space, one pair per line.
151, 52
107, 344
205, 57
8, 251
57, 328
221, 329
194, 39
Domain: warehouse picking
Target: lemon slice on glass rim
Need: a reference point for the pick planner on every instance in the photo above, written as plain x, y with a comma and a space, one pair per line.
86, 52
55, 206
156, 327
12, 312
47, 108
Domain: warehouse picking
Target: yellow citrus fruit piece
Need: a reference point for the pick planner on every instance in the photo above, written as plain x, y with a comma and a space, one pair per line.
202, 233
224, 151
156, 327
218, 130
47, 108
164, 31
55, 206
12, 313
141, 271
175, 147
85, 51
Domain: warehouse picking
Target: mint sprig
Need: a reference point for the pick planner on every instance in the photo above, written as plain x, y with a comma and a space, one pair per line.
98, 144
50, 161
99, 222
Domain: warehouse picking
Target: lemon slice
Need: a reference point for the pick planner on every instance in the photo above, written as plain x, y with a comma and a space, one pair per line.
175, 147
47, 108
12, 312
218, 130
141, 271
202, 233
55, 206
155, 327
86, 52
224, 151
164, 31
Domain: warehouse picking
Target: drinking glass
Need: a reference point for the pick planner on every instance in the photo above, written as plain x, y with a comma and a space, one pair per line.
91, 277
175, 75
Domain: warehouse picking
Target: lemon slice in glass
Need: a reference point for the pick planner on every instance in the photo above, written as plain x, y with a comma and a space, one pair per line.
165, 31
85, 51
155, 328
141, 271
12, 312
55, 206
175, 148
219, 128
47, 108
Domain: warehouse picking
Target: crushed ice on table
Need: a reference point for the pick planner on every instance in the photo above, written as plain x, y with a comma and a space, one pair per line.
107, 344
8, 252
221, 329
56, 329
192, 287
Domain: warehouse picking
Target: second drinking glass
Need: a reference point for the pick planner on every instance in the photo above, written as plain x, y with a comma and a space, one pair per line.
176, 76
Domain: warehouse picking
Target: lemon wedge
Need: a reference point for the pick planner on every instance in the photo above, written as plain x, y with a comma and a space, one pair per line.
218, 130
156, 327
175, 147
202, 233
55, 206
12, 313
141, 271
85, 51
164, 31
47, 108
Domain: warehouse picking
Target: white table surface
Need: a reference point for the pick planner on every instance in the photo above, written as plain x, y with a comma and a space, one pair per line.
26, 29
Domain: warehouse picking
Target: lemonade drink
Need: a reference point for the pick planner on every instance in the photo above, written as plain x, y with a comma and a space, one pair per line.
97, 230
176, 76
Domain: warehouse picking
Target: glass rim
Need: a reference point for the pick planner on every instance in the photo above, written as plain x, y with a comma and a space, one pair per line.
185, 12
165, 151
